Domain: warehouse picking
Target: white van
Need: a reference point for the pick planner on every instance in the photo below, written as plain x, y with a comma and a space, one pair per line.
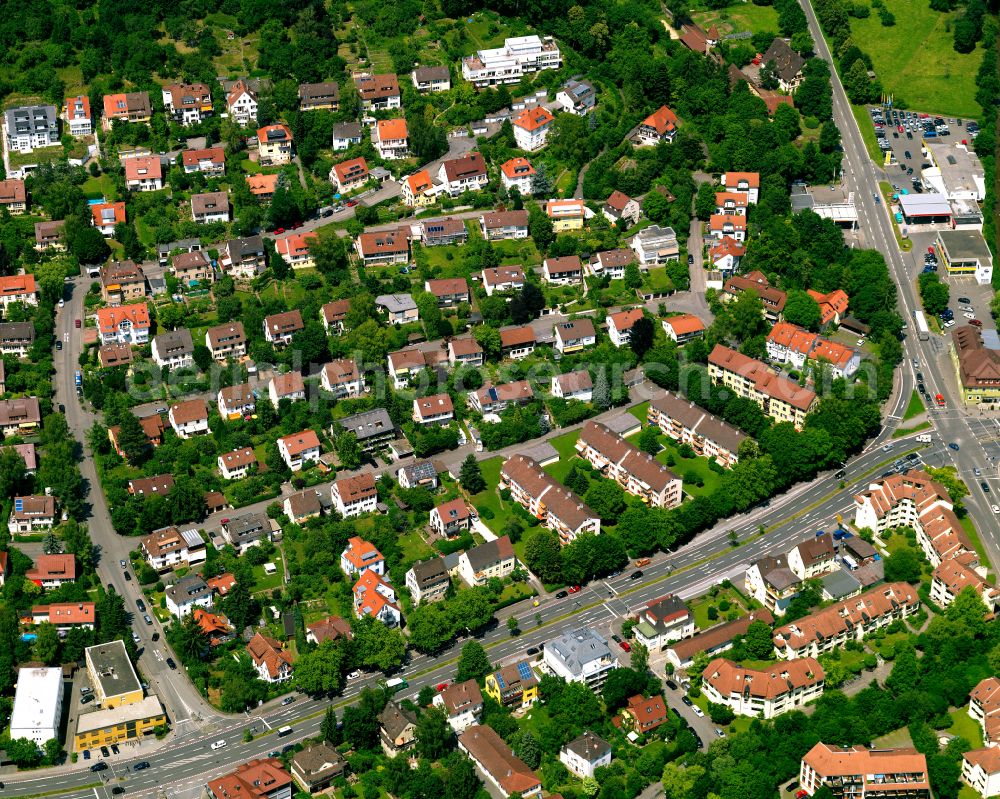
924, 438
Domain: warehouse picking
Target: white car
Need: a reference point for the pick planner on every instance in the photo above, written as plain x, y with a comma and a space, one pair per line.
698, 711
968, 315
861, 342
950, 323
995, 508
354, 675
219, 744
62, 303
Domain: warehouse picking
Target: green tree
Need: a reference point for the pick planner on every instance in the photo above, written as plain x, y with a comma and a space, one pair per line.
348, 450
541, 230
620, 685
12, 472
802, 310
473, 663
470, 476
704, 203
321, 671
649, 440
758, 642
679, 780
641, 337
857, 84
542, 552
633, 277
460, 778
606, 499
50, 544
376, 645
188, 639
132, 439
601, 397
46, 645
904, 565
489, 339
23, 752
526, 747
328, 730
434, 735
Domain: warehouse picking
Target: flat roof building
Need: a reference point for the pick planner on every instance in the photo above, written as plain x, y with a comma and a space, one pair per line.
111, 674
965, 252
37, 705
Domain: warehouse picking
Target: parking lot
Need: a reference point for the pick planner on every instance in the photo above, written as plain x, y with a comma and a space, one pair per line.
902, 134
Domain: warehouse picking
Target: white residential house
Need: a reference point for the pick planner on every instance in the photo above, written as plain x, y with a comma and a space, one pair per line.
575, 335
531, 128
573, 385
436, 409
620, 326
580, 656
431, 79
300, 449
237, 464
519, 55
462, 704
664, 621
353, 496
517, 173
289, 386
467, 173
189, 418
392, 139
655, 246
242, 104
342, 378
173, 349
585, 754
494, 558
360, 555
577, 97
186, 594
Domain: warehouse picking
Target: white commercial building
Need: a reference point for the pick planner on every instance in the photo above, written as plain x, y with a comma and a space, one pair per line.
508, 64
37, 705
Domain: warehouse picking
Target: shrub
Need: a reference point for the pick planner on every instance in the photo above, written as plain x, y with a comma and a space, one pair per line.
713, 613
487, 513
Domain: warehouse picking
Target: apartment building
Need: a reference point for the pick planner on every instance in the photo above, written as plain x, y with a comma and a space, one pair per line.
274, 145
384, 247
865, 773
763, 693
638, 472
323, 96
378, 92
747, 183
558, 508
30, 127
778, 396
299, 450
813, 557
350, 175
428, 581
490, 559
662, 622
580, 656
353, 496
655, 245
122, 282
76, 114
375, 597
519, 55
531, 128
771, 298
517, 173
849, 620
791, 344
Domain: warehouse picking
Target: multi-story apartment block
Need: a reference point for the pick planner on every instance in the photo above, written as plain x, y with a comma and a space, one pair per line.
532, 127
849, 620
861, 773
128, 324
763, 693
638, 472
353, 496
30, 127
519, 55
555, 506
490, 559
778, 396
580, 656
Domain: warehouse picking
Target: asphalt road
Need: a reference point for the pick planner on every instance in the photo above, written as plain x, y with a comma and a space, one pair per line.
954, 423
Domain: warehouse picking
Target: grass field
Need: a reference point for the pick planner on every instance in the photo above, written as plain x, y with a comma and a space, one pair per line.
915, 60
905, 431
966, 727
490, 498
744, 17
700, 608
914, 407
973, 534
566, 447
103, 186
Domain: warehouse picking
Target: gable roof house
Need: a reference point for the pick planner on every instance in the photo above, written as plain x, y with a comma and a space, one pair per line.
236, 401
375, 597
170, 546
323, 96
342, 378
50, 234
467, 173
567, 214
210, 161
126, 107
32, 514
773, 299
237, 464
274, 145
642, 715
51, 571
242, 103
492, 399
186, 594
558, 508
392, 139
562, 270
143, 173
462, 703
299, 450
787, 64
353, 496
378, 92
419, 190
658, 127
575, 335
576, 385
499, 225
279, 328
302, 505
350, 175
620, 325
212, 206
451, 518
397, 729
243, 258
763, 693
517, 342
585, 754
246, 530
714, 640
725, 254
346, 135
104, 216
228, 340
187, 103
772, 583
744, 182
503, 279
294, 249
832, 306
619, 207
514, 684
173, 349
490, 559
384, 247
435, 409
577, 97
333, 315
448, 290
428, 580
431, 79
13, 196
264, 778
288, 386
317, 766
270, 658
438, 232
374, 429
501, 767
193, 268
531, 128
121, 282
813, 557
189, 418
465, 352
663, 621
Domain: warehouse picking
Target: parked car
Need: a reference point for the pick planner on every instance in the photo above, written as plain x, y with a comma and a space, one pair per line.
141, 605
287, 701
626, 646
687, 701
561, 594
105, 752
100, 765
671, 685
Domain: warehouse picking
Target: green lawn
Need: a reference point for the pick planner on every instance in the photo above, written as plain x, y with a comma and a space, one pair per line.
905, 431
490, 498
268, 582
973, 534
744, 17
700, 608
914, 407
566, 447
916, 62
684, 467
414, 547
95, 188
966, 727
640, 411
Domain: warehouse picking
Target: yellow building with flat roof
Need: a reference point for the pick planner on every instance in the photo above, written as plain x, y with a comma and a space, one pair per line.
118, 724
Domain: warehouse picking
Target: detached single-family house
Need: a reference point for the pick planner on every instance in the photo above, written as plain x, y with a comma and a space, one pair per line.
189, 418
575, 335
465, 352
384, 247
449, 290
226, 341
143, 173
13, 196
576, 385
611, 263
502, 279
236, 401
664, 621
491, 559
517, 342
400, 308
504, 770
499, 225
242, 103
279, 328
428, 580
517, 173
566, 214
392, 139
577, 97
350, 175
786, 63
660, 126
656, 245
462, 703
378, 92
683, 328
288, 386
210, 161
431, 79
452, 518
170, 546
193, 268
212, 206
299, 450
620, 207
127, 107
187, 103
418, 190
271, 660
319, 96
76, 114
397, 729
513, 685
585, 754
342, 378
562, 270
353, 496
436, 409
346, 135
104, 216
243, 258
186, 594
174, 349
294, 249
620, 325
238, 463
32, 514
274, 145
531, 128
467, 173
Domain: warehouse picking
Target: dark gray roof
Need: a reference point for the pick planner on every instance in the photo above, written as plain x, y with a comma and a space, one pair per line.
251, 245
17, 331
368, 424
776, 572
174, 341
186, 588
589, 747
430, 572
420, 470
248, 524
396, 303
424, 74
395, 719
490, 552
576, 648
347, 130
840, 584
318, 760
787, 62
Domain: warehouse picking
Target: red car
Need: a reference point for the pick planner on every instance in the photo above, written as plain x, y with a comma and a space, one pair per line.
79, 323
940, 400
223, 521
930, 250
801, 794
440, 687
901, 128
296, 225
975, 322
351, 203
574, 589
625, 645
279, 231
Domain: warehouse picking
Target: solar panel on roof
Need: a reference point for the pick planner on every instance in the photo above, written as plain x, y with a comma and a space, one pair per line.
18, 505
501, 681
492, 393
524, 670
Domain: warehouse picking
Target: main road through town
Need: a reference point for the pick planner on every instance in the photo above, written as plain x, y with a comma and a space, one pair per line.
969, 429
